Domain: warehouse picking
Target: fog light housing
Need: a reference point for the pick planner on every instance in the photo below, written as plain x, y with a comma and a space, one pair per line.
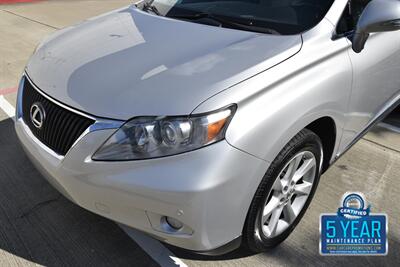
174, 223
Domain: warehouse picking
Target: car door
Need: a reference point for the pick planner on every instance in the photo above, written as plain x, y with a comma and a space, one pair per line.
376, 77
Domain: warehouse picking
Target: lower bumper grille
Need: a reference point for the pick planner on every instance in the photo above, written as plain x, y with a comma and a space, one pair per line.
55, 126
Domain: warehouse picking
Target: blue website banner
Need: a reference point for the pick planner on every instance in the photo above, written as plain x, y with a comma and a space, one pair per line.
363, 236
353, 230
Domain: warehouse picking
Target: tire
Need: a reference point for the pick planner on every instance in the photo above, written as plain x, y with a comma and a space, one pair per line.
260, 232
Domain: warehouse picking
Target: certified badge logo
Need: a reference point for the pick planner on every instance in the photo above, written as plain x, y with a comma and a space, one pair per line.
353, 230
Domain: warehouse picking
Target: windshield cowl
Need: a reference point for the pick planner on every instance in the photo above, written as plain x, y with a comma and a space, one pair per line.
267, 16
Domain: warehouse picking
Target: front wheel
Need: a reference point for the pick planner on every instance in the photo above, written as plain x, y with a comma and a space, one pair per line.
285, 192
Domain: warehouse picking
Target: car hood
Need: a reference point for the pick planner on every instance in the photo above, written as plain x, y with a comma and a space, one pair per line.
130, 63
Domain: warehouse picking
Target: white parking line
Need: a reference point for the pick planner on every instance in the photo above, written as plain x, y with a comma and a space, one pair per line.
154, 248
7, 107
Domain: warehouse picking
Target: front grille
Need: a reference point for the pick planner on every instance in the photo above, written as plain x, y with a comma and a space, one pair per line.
61, 127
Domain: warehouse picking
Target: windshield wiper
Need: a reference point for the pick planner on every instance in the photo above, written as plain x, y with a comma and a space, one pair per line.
148, 6
224, 21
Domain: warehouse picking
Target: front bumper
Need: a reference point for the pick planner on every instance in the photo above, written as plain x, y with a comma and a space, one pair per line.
209, 190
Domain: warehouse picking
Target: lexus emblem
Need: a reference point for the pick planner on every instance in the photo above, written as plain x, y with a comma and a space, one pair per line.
38, 115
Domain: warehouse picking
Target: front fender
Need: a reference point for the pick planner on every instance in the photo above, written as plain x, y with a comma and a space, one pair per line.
275, 105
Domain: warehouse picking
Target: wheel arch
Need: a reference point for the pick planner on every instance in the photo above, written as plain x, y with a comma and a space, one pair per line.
325, 128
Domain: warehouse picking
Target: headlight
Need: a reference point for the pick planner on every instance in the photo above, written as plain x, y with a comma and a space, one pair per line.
152, 137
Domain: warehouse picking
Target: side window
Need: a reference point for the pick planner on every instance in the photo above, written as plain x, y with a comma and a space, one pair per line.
350, 16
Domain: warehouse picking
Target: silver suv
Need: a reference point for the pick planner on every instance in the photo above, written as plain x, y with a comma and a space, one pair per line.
208, 123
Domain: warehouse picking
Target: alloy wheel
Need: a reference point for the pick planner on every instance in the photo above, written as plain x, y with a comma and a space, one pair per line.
288, 194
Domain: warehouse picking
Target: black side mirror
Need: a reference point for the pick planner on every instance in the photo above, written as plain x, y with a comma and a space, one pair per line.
378, 16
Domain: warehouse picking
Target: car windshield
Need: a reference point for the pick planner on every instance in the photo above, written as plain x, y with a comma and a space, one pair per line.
267, 16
